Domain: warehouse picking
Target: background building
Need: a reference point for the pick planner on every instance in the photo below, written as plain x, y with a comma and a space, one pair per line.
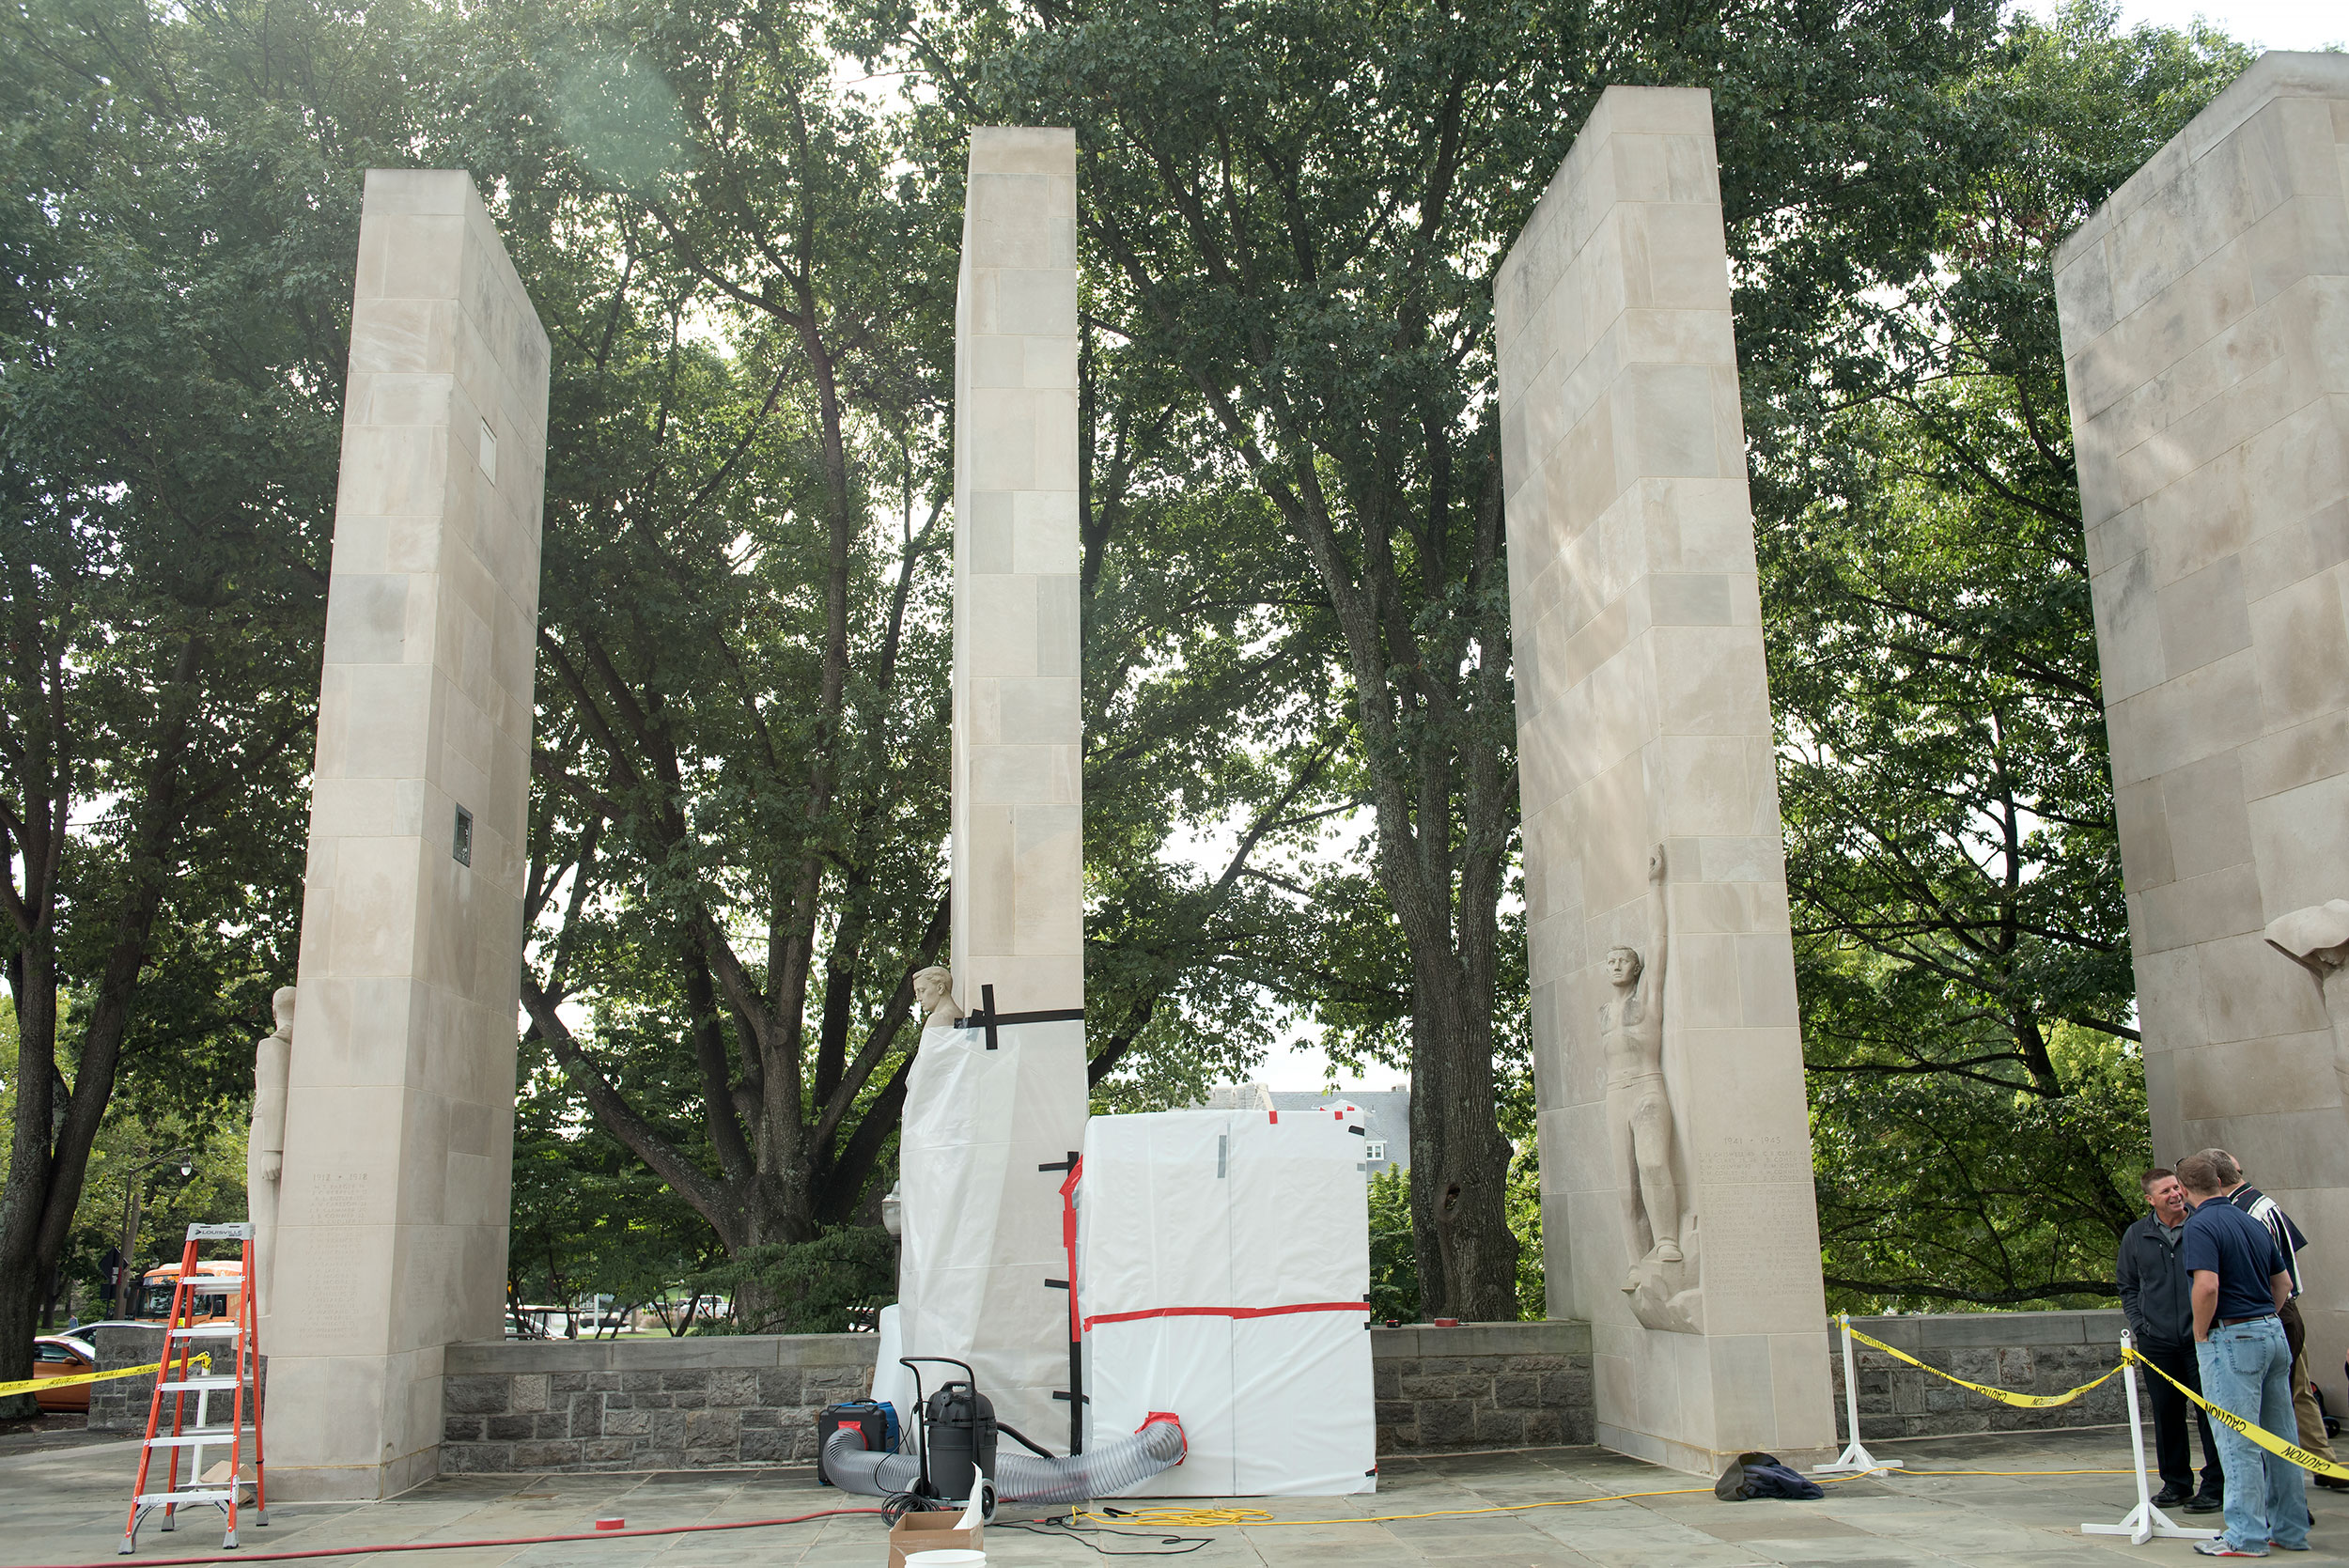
1386, 1115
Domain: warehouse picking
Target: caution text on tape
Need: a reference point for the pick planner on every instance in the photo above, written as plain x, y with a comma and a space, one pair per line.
2258, 1434
2251, 1430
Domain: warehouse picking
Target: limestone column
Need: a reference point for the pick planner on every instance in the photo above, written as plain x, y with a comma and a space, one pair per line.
1644, 722
1018, 834
986, 1107
392, 1225
2206, 318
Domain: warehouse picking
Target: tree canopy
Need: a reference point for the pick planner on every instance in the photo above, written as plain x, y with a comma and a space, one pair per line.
1962, 955
738, 219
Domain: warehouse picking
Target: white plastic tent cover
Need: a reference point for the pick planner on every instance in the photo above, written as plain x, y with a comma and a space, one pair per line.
982, 1222
893, 1384
1224, 1260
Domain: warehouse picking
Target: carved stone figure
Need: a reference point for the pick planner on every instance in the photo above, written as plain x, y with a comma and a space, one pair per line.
265, 1146
2317, 938
1639, 1103
934, 994
1663, 1282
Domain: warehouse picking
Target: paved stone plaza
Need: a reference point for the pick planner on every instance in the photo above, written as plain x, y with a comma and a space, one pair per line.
65, 1507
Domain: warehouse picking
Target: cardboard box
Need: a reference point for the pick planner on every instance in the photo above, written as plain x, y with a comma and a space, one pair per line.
935, 1531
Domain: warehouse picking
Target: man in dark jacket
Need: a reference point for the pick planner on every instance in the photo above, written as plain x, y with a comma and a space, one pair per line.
2159, 1299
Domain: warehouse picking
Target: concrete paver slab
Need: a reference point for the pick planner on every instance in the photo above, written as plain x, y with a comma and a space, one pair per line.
67, 1508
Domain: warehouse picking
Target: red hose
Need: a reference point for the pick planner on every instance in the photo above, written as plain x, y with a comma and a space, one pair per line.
236, 1556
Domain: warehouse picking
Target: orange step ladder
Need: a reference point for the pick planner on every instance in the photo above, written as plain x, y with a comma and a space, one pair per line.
185, 1370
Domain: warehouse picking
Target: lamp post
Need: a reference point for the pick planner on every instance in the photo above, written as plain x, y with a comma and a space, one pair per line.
132, 1204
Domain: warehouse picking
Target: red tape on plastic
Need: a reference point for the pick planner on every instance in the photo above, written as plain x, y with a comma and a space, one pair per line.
1229, 1311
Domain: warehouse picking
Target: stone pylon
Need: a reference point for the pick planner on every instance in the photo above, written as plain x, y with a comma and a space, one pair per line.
399, 1114
988, 1105
2206, 318
1674, 1137
1019, 815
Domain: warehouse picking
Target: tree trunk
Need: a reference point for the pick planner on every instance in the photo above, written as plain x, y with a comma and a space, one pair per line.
1468, 1259
32, 977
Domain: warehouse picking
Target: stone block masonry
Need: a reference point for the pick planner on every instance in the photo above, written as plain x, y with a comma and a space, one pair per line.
400, 1104
121, 1403
724, 1400
696, 1403
2205, 317
2035, 1353
647, 1405
1643, 718
1482, 1385
1018, 824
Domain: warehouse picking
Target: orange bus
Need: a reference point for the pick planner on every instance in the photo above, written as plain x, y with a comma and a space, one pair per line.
217, 1291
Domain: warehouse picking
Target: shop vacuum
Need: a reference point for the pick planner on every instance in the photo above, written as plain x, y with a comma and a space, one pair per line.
957, 1457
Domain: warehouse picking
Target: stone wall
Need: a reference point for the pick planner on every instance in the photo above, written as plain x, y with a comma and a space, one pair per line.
644, 1405
1482, 1385
121, 1403
2037, 1353
658, 1405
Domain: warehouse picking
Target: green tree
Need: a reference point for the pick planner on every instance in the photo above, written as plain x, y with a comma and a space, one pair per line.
134, 1178
1394, 1293
1299, 208
588, 1216
736, 851
1978, 1098
171, 347
1202, 733
734, 863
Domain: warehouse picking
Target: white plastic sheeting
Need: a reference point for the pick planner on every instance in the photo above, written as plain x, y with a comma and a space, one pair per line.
982, 1223
1225, 1256
893, 1384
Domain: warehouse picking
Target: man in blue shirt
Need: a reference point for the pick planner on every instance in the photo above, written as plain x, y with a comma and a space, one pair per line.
2240, 1283
2290, 1243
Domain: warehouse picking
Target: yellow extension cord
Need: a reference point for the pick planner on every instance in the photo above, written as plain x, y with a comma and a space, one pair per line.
1256, 1518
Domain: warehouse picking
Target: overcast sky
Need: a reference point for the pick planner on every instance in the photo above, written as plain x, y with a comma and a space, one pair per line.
2270, 24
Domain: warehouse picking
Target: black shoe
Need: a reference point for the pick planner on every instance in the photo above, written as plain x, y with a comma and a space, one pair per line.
2331, 1482
2207, 1502
2170, 1496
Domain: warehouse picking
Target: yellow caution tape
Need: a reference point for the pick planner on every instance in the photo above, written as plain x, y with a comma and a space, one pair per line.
33, 1385
2004, 1396
2259, 1434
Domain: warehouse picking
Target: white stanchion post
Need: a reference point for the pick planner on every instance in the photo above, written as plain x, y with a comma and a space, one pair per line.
2144, 1521
1854, 1459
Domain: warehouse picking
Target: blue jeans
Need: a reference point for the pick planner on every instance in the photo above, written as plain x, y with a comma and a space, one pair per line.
2247, 1370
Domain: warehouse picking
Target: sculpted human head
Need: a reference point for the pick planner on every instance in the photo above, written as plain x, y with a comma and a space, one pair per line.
281, 1004
1623, 966
933, 987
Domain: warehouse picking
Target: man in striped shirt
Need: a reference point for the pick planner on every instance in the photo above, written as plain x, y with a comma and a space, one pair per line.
2259, 1207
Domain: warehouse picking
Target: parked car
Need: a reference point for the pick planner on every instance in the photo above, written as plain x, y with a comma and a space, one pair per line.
63, 1356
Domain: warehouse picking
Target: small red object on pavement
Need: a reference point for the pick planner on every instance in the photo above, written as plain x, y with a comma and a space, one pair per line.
612, 1522
1447, 1323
